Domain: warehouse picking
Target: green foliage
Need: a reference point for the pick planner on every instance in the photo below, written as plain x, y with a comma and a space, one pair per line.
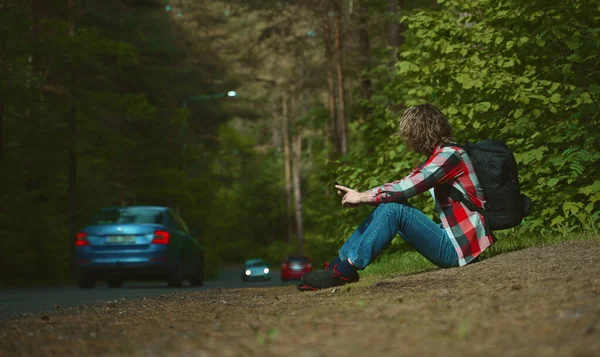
135, 145
526, 72
519, 71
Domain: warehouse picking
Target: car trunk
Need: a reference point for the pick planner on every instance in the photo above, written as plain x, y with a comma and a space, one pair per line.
121, 237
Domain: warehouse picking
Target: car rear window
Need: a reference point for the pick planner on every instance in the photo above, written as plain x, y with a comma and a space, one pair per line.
301, 260
128, 215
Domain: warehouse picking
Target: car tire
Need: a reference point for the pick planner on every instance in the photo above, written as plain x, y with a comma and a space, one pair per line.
176, 278
115, 282
86, 282
198, 278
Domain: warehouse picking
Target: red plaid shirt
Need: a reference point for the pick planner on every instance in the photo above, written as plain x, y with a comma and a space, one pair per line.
448, 165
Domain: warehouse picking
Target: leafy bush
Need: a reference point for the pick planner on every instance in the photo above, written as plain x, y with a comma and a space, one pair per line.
520, 71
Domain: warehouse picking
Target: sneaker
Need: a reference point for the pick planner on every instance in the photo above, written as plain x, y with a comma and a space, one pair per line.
323, 279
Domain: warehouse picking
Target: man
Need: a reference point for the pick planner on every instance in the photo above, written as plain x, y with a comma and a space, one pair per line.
461, 236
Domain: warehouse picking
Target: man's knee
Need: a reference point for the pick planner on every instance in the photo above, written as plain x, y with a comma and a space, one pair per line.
390, 207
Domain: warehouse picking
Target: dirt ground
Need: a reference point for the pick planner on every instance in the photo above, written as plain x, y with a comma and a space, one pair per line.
542, 301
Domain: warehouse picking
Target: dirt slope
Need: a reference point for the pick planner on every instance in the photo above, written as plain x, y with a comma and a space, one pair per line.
542, 301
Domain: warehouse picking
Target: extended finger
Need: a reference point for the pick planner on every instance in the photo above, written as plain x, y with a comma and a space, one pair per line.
343, 188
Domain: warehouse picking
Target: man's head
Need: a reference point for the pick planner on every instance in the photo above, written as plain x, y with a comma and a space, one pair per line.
423, 127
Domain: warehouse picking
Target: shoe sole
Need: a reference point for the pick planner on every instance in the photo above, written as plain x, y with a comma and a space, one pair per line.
304, 287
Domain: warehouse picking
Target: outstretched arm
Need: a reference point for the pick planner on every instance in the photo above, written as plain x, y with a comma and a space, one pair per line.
438, 169
352, 198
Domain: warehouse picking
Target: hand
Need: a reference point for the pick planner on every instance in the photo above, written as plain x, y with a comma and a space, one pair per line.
342, 190
351, 198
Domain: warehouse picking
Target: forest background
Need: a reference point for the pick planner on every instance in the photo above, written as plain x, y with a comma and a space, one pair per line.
107, 103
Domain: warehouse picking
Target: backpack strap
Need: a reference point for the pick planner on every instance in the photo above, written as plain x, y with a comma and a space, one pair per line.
456, 195
464, 147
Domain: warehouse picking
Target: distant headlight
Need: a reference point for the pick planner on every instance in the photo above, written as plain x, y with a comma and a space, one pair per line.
266, 270
248, 272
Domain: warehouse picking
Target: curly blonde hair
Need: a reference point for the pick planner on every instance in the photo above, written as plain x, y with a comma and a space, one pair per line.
423, 127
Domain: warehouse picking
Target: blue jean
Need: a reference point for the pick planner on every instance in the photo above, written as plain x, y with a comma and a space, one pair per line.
379, 228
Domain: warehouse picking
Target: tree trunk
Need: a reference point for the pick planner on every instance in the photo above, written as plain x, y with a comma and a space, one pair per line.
276, 137
297, 157
1, 130
287, 163
341, 118
72, 177
285, 132
72, 150
364, 48
35, 31
394, 28
331, 126
2, 59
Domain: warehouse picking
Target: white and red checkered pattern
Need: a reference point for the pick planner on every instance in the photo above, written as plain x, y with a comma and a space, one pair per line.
448, 165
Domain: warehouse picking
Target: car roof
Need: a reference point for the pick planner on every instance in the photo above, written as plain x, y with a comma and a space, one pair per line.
162, 208
250, 261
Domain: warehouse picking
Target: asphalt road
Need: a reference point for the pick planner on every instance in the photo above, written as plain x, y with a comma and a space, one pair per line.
15, 302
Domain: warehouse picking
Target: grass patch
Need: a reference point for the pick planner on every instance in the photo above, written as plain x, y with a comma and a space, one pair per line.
411, 261
398, 263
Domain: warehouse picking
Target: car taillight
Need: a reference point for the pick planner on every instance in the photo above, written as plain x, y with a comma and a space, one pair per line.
81, 239
309, 265
161, 237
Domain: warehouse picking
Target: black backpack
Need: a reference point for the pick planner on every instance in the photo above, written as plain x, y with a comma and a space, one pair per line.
496, 169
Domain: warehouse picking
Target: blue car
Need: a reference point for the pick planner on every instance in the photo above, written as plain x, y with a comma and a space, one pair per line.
255, 269
140, 242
